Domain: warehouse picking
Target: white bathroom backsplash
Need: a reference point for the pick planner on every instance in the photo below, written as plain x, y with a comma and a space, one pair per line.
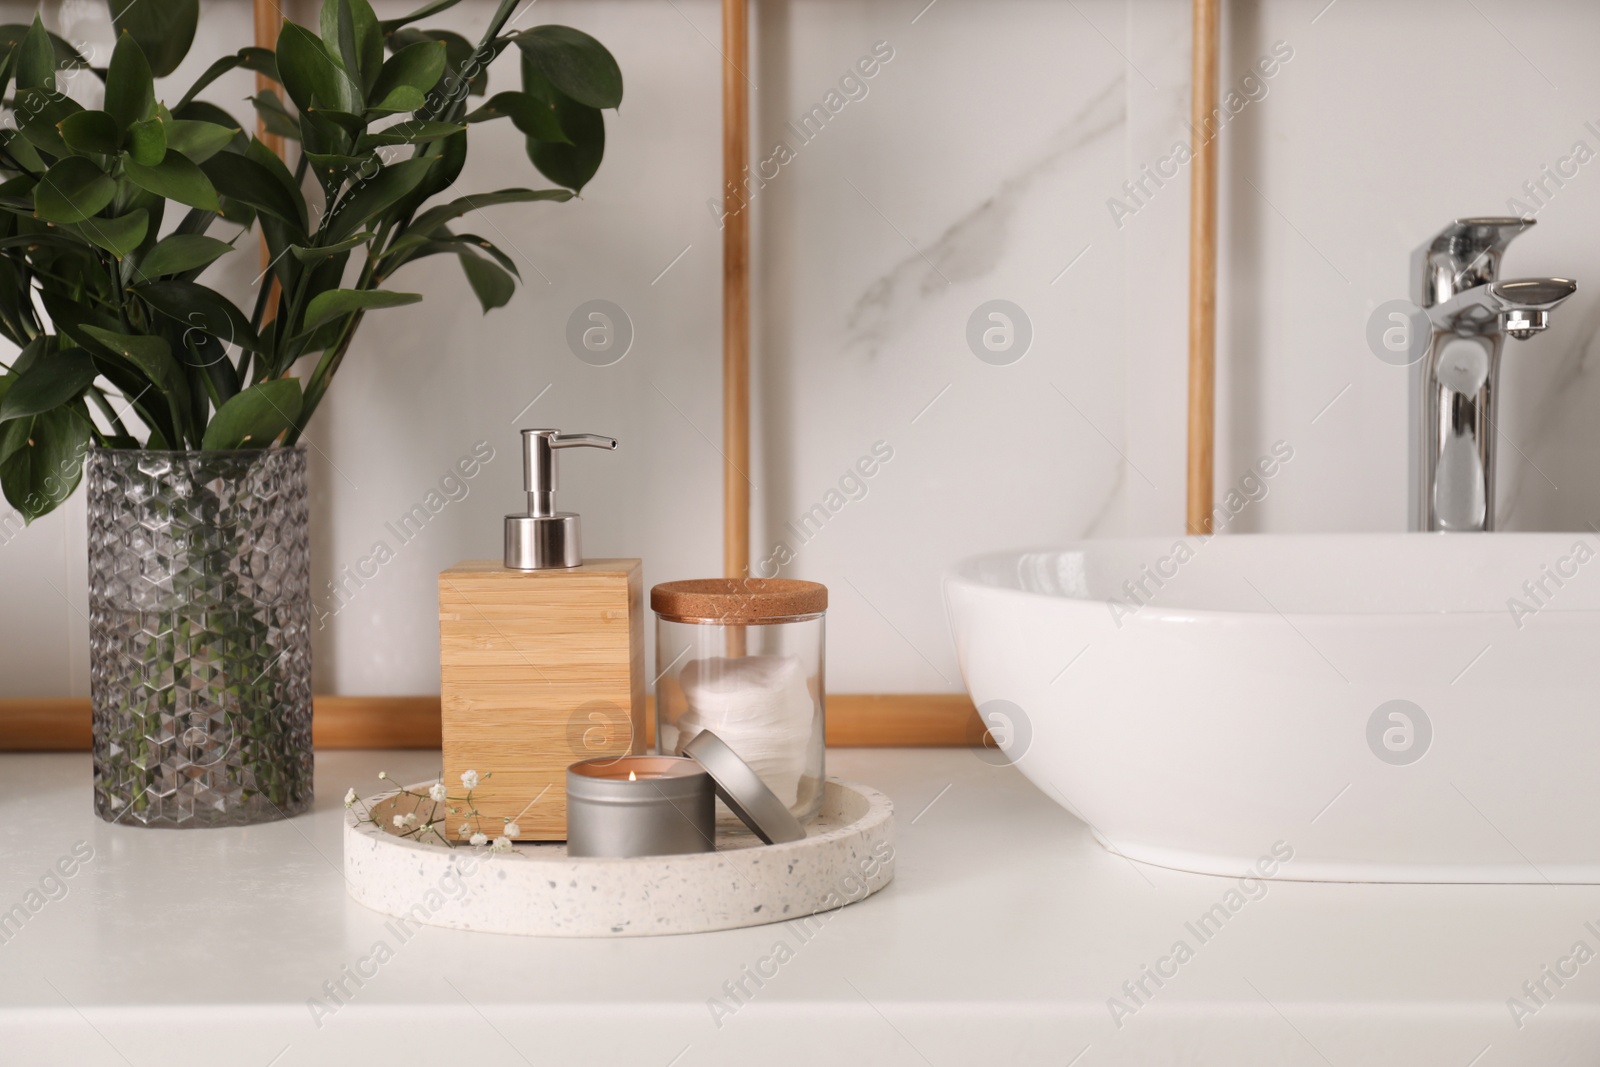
924, 168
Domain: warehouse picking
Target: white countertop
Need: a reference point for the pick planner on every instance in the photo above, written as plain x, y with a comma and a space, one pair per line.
1000, 941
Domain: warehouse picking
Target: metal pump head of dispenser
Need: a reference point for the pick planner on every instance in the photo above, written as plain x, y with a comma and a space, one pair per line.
545, 538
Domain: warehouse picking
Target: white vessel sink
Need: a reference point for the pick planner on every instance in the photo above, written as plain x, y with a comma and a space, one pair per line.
1247, 703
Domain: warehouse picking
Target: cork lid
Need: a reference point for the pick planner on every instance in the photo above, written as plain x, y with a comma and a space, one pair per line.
736, 601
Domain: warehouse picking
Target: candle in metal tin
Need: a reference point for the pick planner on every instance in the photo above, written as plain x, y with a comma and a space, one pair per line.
639, 806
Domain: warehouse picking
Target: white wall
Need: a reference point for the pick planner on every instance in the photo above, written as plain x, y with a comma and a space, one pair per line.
977, 167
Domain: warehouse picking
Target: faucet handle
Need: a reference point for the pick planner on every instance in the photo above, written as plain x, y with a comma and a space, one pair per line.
1463, 255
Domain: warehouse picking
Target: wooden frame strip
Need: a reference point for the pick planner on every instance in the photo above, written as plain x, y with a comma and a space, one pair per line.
902, 720
1203, 267
735, 292
268, 20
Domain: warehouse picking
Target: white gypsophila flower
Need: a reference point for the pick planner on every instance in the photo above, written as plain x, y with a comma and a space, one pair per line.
437, 792
478, 839
411, 818
466, 829
513, 830
350, 798
469, 779
400, 822
501, 844
383, 774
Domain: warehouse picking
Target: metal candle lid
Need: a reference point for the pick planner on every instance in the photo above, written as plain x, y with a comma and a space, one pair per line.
743, 790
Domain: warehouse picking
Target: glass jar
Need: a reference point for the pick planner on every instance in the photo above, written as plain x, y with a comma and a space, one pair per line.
743, 658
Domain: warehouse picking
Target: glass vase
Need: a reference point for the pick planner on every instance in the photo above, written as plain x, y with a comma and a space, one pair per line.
200, 636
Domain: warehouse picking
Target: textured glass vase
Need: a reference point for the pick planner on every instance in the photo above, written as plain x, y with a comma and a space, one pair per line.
200, 636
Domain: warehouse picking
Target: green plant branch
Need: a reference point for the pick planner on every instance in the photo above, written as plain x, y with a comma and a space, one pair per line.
99, 166
98, 396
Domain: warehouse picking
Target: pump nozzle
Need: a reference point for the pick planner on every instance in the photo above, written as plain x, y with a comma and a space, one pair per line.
544, 537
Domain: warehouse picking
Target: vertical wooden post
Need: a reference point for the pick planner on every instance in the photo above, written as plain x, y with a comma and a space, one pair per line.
735, 293
1203, 268
268, 18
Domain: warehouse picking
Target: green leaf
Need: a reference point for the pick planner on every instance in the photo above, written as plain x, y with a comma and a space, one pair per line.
164, 29
268, 160
332, 170
119, 236
360, 50
336, 127
30, 354
255, 417
40, 113
132, 198
194, 306
274, 115
200, 111
338, 26
575, 63
176, 178
316, 255
400, 99
198, 140
73, 190
492, 285
71, 319
211, 74
310, 73
49, 382
153, 357
180, 253
371, 198
500, 257
8, 65
130, 92
337, 302
418, 66
534, 117
13, 435
22, 151
45, 469
418, 132
390, 25
249, 182
572, 164
260, 60
147, 142
36, 59
66, 56
460, 62
449, 156
206, 357
91, 131
429, 220
416, 246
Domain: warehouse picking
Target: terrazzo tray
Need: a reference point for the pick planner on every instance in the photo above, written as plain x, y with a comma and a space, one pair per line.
537, 889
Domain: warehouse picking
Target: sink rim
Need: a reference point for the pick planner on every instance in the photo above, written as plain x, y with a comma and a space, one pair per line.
1522, 552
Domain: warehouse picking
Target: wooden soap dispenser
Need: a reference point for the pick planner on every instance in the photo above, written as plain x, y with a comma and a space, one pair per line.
541, 658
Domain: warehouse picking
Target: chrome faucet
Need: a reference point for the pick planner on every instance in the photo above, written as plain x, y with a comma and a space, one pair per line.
1453, 385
